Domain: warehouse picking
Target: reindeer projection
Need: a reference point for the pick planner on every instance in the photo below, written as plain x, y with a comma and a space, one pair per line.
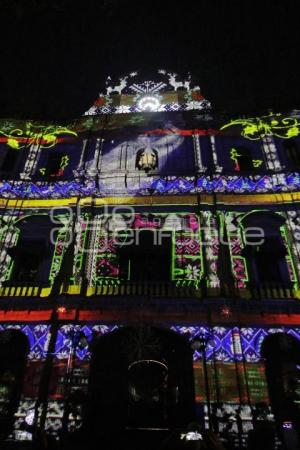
118, 88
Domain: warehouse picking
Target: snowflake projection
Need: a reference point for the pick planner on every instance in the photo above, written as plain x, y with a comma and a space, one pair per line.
147, 87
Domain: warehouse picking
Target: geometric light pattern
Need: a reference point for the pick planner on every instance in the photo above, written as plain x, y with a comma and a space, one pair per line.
220, 346
158, 185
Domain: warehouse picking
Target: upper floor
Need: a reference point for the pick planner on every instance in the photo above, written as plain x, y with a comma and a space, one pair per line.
150, 138
162, 250
146, 153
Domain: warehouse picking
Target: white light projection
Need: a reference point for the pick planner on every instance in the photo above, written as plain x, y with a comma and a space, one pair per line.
119, 163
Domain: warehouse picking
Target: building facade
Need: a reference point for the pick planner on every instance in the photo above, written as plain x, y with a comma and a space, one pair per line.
149, 265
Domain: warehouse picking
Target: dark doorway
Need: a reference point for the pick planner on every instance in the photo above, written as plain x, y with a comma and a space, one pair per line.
140, 377
282, 361
148, 258
14, 348
265, 252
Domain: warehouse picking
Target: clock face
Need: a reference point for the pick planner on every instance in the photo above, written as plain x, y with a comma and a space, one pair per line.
148, 103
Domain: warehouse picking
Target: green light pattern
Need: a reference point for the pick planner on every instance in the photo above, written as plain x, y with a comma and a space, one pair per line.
238, 262
106, 256
62, 239
45, 136
191, 273
62, 165
9, 236
289, 257
256, 128
234, 155
81, 239
211, 239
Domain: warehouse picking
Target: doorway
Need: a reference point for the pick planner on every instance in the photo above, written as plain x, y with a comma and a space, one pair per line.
140, 377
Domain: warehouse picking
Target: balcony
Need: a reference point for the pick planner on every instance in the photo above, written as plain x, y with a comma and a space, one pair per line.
158, 289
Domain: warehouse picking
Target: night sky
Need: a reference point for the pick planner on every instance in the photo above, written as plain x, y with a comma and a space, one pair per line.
55, 55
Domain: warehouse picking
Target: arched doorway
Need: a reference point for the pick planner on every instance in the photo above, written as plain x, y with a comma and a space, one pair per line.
281, 352
14, 348
140, 377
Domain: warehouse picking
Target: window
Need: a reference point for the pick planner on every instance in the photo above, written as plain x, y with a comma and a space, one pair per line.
147, 259
266, 261
32, 254
9, 160
292, 152
28, 259
53, 164
242, 159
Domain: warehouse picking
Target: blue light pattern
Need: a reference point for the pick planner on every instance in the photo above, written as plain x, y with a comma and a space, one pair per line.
160, 185
220, 339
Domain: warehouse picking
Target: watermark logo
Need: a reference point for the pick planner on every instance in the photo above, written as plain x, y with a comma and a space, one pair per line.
123, 226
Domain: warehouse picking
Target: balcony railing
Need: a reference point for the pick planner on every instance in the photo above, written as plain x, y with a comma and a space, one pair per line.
160, 289
151, 289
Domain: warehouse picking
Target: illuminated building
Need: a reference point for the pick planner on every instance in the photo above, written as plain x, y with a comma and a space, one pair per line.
132, 231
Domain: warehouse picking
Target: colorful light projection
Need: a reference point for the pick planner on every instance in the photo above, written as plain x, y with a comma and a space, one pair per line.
247, 345
9, 235
62, 165
44, 136
155, 186
212, 245
235, 239
187, 258
148, 95
256, 128
234, 156
61, 244
239, 263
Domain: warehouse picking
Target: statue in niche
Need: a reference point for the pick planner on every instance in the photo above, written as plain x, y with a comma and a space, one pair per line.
146, 159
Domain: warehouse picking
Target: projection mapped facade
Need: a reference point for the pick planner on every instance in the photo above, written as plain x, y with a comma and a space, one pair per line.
131, 233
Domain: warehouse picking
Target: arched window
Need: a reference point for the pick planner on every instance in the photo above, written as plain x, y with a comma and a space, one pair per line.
265, 250
292, 152
242, 159
33, 252
14, 348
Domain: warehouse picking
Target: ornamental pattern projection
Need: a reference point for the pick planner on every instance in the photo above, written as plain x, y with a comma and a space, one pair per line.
293, 225
239, 263
155, 186
9, 235
148, 95
62, 242
255, 128
112, 232
42, 136
224, 345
